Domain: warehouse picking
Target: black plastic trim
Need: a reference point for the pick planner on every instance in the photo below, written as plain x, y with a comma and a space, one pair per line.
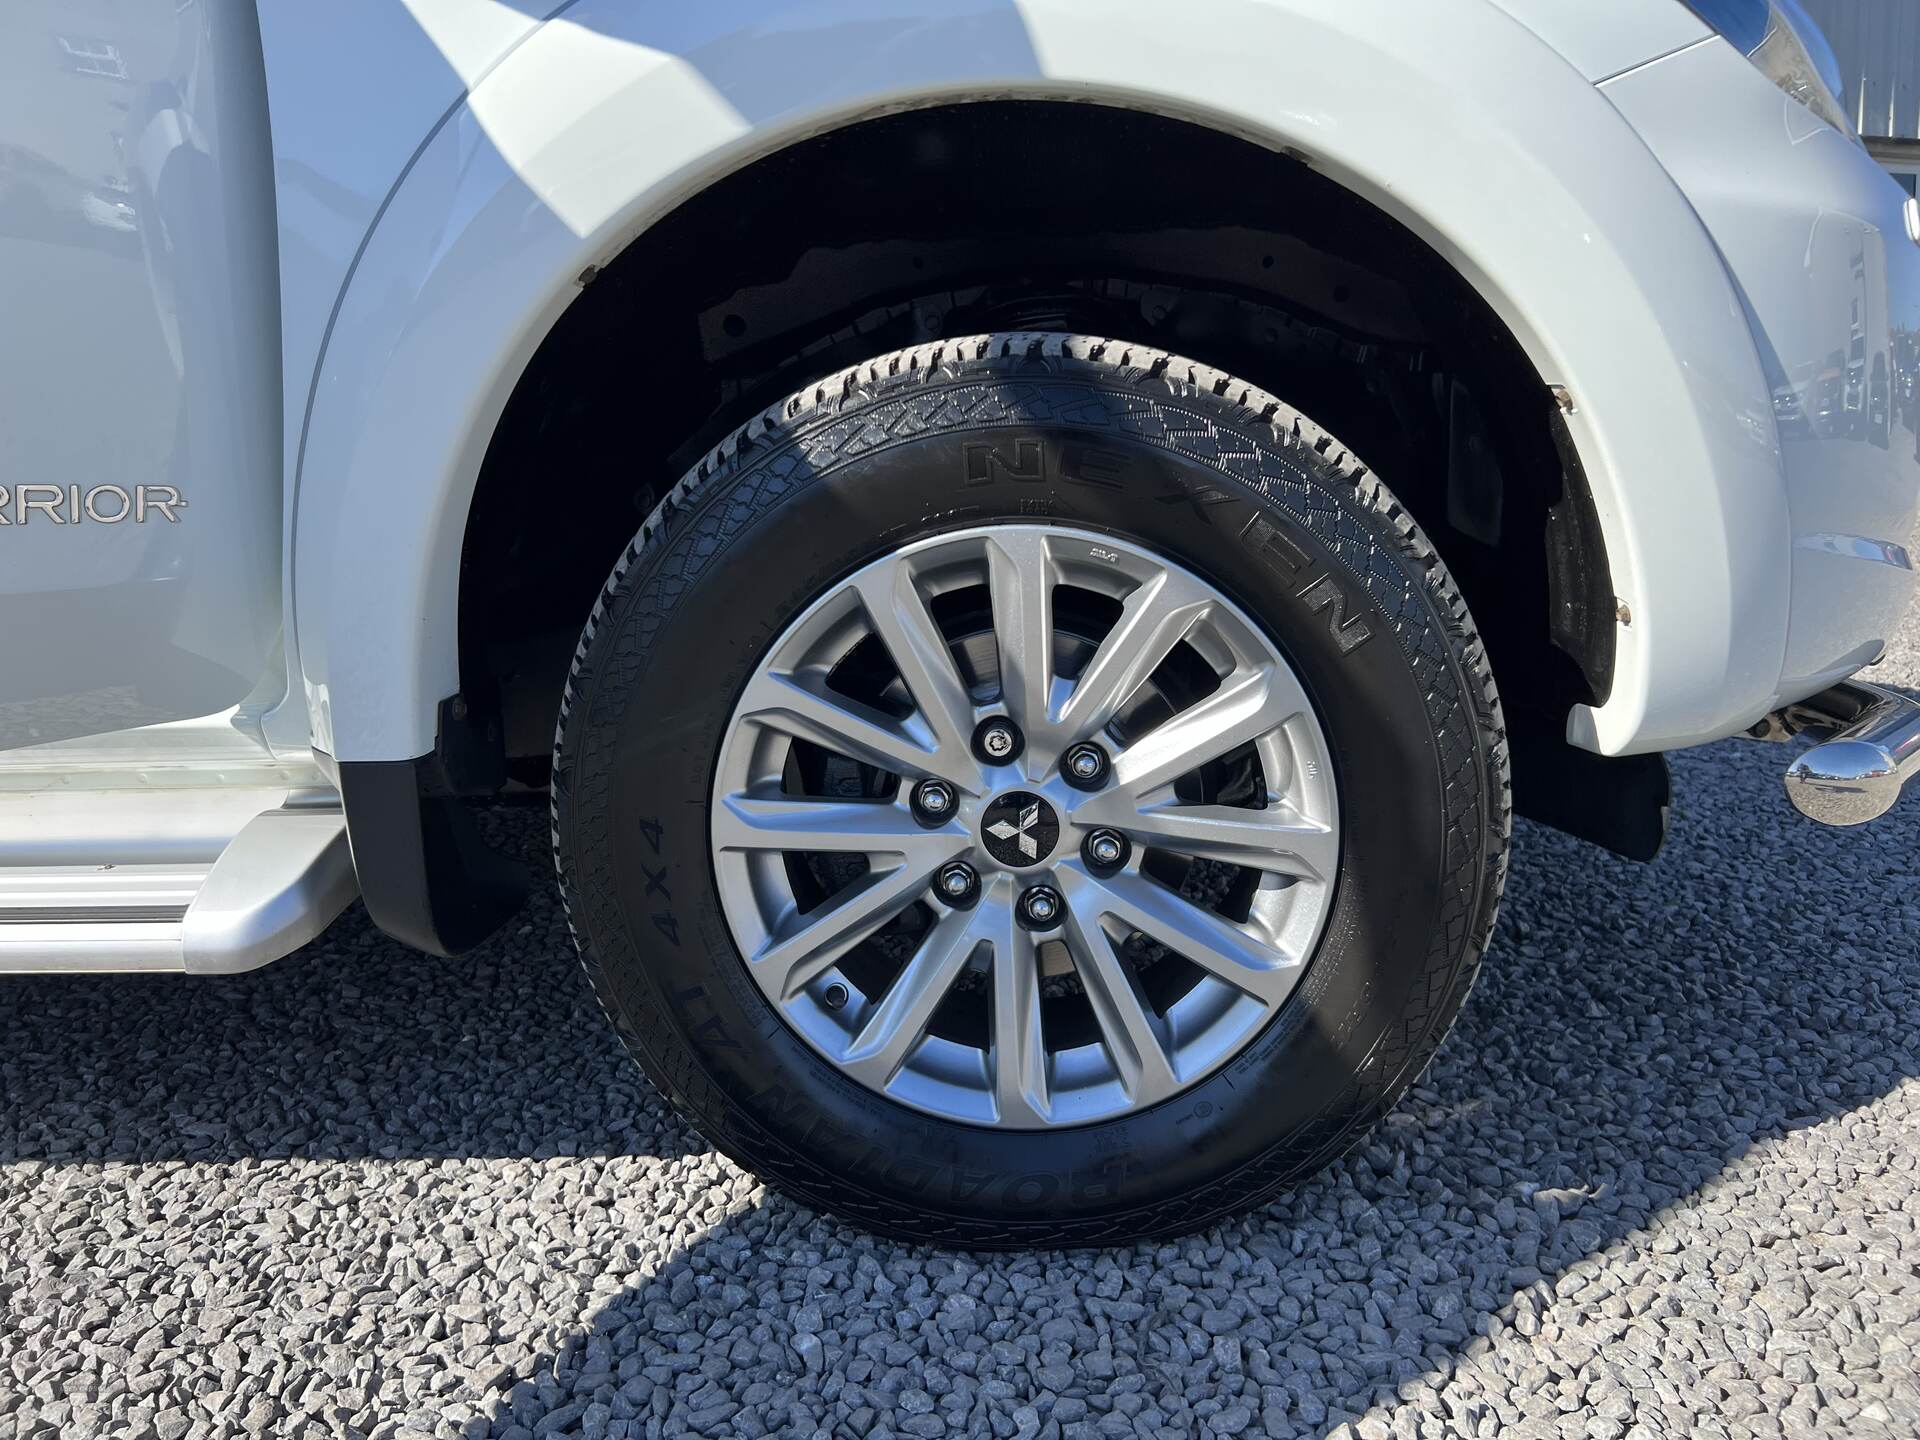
1620, 803
95, 915
426, 876
1581, 606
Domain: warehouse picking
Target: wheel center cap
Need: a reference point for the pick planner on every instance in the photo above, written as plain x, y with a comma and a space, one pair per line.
1019, 829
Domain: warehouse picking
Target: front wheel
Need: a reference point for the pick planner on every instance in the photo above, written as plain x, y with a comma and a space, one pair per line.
1031, 789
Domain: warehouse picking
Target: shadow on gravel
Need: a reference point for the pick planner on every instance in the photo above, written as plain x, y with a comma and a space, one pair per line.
354, 1048
1637, 1030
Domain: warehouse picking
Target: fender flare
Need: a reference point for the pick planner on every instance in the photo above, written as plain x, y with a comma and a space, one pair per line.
1473, 133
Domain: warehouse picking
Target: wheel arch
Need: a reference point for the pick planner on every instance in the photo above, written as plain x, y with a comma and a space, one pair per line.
1611, 289
866, 237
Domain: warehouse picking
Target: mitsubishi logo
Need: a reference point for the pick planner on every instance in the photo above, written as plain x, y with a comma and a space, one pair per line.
1020, 829
1021, 834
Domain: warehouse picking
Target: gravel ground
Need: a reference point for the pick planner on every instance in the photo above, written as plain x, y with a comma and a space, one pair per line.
1661, 1181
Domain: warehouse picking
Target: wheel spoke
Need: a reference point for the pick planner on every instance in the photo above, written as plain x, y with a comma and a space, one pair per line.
1129, 1030
1251, 703
899, 616
1019, 1055
1155, 618
1279, 841
1020, 578
791, 959
794, 706
901, 1017
1216, 945
871, 827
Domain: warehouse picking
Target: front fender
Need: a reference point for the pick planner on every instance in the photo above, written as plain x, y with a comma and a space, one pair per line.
1457, 120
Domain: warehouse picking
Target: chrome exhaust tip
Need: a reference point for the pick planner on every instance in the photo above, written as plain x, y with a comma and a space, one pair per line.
1844, 782
1874, 749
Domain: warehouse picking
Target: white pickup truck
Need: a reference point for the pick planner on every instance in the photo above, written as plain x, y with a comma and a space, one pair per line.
1034, 544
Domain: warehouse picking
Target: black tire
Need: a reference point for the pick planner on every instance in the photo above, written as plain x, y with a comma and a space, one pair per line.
1209, 472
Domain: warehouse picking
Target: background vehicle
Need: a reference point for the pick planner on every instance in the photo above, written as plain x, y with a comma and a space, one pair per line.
1123, 514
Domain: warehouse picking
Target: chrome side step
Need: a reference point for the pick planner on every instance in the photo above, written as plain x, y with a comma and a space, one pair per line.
1857, 774
80, 917
274, 885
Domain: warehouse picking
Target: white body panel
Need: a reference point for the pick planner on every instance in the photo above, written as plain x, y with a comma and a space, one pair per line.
354, 88
1475, 133
139, 347
1601, 41
1814, 234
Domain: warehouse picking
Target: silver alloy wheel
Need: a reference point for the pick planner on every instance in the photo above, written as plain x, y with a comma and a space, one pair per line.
1145, 981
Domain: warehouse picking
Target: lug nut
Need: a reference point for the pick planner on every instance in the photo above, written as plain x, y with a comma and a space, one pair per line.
1105, 849
997, 741
1084, 765
1040, 907
933, 801
959, 886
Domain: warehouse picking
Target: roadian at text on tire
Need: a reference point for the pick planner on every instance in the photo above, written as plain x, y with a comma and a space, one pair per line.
1031, 789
